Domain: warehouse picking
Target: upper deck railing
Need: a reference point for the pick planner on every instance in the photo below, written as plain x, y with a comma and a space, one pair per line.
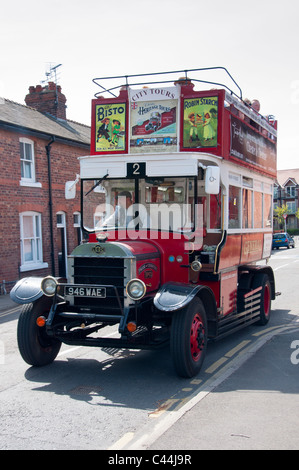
130, 80
163, 112
146, 79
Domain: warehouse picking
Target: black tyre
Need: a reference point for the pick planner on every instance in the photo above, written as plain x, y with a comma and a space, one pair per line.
35, 346
188, 339
261, 279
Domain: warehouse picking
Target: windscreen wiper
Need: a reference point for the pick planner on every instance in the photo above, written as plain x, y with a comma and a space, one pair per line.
97, 184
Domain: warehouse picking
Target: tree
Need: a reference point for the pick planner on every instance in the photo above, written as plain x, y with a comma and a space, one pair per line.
279, 211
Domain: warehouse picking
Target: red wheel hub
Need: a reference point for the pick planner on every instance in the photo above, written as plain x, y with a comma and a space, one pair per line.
197, 337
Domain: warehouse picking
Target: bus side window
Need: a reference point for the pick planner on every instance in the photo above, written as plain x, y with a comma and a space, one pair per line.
234, 207
215, 211
247, 208
258, 209
202, 200
267, 210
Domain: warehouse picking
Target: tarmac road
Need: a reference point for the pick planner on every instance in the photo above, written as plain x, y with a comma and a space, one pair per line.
245, 397
257, 405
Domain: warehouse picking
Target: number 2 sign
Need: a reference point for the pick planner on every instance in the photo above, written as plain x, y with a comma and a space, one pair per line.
136, 170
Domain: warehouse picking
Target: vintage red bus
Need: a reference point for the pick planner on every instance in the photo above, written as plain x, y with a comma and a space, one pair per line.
176, 202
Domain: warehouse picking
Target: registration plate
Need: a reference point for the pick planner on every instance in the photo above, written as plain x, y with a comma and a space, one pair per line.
85, 291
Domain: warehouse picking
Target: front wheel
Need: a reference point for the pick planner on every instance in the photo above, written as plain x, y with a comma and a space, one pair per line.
188, 338
35, 346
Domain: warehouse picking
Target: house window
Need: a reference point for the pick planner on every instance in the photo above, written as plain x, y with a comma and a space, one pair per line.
31, 241
77, 226
27, 160
292, 207
27, 163
61, 243
290, 191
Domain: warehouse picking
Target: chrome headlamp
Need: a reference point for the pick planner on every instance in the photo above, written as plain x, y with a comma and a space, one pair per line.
136, 289
196, 265
49, 285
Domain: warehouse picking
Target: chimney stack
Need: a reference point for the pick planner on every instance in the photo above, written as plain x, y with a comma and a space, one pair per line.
47, 99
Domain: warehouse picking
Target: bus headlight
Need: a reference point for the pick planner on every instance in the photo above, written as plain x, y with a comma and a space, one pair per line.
196, 265
49, 285
136, 289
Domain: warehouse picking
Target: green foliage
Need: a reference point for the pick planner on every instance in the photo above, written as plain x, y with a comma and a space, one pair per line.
279, 211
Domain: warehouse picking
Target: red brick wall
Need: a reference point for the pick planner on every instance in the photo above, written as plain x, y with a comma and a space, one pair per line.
15, 199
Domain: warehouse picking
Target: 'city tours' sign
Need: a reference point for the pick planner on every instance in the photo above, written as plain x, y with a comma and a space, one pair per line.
154, 94
153, 120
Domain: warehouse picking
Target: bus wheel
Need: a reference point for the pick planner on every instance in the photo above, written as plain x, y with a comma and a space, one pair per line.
261, 279
35, 346
188, 338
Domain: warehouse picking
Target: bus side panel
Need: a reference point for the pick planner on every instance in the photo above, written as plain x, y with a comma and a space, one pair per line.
231, 253
252, 247
229, 282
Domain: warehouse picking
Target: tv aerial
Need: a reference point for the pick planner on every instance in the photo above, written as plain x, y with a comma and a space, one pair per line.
51, 73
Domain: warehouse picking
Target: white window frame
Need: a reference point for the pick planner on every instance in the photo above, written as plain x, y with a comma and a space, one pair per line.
265, 188
77, 225
37, 251
62, 224
28, 181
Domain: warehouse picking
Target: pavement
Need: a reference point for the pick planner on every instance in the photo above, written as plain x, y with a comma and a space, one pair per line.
254, 407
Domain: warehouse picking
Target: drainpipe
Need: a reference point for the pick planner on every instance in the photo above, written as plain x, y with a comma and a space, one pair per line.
48, 150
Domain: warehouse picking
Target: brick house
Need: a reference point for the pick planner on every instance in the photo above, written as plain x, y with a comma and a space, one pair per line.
286, 191
39, 150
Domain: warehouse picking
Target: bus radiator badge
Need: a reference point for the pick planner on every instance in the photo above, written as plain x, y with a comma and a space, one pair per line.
98, 249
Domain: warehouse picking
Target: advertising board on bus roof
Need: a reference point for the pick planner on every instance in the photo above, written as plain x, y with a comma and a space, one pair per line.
178, 119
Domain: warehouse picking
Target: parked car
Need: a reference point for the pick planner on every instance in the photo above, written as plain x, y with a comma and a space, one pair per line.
282, 239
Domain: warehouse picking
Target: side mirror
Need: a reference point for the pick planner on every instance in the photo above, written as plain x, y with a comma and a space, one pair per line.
212, 180
70, 190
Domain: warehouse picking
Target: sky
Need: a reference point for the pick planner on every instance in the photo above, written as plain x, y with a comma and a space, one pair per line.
256, 41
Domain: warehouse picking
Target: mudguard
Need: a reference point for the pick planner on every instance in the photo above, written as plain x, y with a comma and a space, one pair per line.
174, 296
27, 290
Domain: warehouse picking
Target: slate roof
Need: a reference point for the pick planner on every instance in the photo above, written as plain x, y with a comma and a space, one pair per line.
284, 175
19, 115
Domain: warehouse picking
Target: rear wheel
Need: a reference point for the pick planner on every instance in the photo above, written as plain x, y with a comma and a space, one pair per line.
188, 339
35, 346
261, 279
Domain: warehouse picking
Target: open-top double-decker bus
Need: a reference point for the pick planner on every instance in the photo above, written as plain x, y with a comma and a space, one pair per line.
176, 203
